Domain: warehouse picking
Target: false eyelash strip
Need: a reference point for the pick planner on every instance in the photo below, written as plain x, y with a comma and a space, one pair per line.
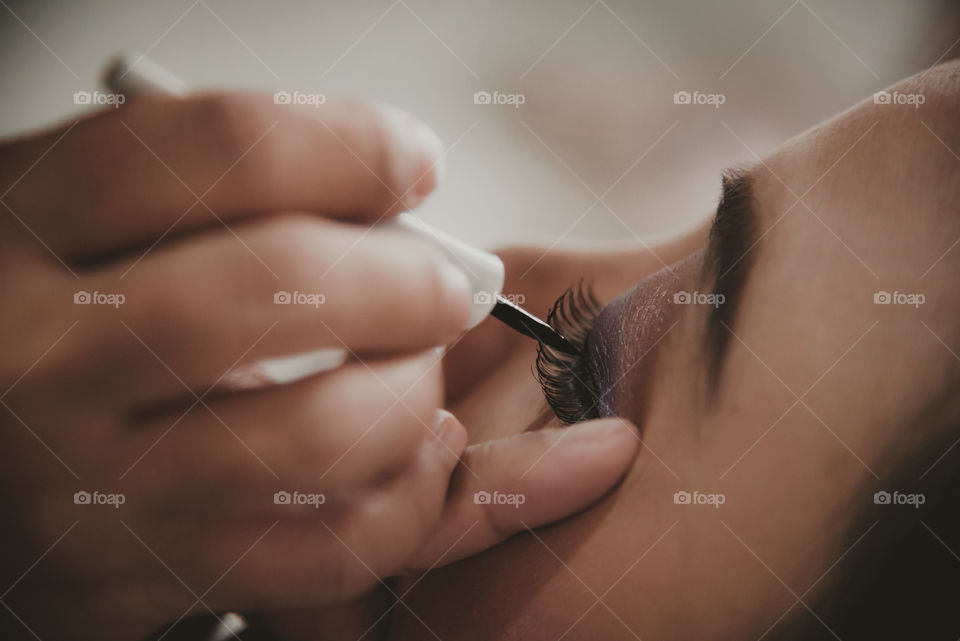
567, 381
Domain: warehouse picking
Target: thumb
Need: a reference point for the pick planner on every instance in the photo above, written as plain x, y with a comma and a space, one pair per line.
502, 487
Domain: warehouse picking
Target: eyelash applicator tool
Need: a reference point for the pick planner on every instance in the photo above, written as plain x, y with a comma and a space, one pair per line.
522, 321
484, 270
485, 273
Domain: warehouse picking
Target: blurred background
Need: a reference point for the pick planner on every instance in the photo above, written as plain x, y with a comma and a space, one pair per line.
598, 149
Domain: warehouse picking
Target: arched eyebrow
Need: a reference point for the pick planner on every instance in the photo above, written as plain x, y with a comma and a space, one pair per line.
727, 263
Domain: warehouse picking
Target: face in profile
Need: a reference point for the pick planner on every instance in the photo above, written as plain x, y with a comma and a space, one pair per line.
792, 369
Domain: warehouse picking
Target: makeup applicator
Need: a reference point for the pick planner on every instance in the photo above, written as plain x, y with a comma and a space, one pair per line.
484, 270
485, 273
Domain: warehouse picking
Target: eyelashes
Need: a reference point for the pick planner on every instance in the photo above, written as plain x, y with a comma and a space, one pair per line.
567, 380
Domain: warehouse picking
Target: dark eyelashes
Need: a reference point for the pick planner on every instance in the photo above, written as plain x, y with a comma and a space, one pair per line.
568, 383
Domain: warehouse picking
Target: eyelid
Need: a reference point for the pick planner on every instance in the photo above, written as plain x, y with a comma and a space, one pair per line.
629, 340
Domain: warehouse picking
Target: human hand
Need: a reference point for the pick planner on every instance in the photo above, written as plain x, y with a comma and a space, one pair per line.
141, 254
500, 488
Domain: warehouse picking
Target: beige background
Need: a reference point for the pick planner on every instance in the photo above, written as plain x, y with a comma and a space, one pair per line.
598, 80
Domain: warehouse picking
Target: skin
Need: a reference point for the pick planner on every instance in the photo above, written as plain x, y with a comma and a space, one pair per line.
879, 193
198, 211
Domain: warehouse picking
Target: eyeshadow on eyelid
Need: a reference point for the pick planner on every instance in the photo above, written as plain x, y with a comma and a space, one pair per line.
622, 345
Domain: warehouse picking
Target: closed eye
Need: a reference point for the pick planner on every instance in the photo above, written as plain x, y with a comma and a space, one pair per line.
727, 262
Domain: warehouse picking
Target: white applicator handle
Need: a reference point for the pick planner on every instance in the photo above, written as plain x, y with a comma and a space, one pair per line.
483, 270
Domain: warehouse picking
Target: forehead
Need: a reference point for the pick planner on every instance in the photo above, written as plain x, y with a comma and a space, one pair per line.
871, 192
877, 157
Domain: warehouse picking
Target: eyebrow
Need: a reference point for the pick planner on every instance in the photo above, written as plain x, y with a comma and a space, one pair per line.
727, 263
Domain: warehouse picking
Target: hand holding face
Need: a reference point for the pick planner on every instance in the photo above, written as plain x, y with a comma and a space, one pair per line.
146, 253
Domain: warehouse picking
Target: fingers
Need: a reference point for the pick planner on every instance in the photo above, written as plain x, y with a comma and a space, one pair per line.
339, 550
525, 481
287, 285
125, 176
354, 427
295, 555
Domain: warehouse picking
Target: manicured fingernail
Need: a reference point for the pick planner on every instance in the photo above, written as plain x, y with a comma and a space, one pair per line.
417, 163
441, 419
430, 167
598, 432
458, 295
449, 431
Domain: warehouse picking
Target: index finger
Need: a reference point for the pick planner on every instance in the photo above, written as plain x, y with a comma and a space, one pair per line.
162, 164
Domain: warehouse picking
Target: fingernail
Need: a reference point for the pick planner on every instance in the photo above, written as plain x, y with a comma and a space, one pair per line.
449, 431
610, 443
441, 419
429, 168
417, 165
458, 295
598, 431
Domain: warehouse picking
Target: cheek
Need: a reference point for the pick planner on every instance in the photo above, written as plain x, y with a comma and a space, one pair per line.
627, 550
519, 590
